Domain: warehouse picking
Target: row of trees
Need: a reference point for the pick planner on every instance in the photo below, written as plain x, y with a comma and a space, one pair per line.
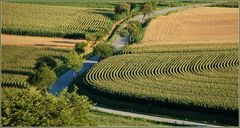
135, 29
75, 58
44, 75
126, 8
147, 8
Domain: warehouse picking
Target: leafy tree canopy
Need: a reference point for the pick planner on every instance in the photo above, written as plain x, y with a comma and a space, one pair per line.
45, 77
122, 8
80, 47
74, 61
135, 30
103, 50
46, 61
30, 107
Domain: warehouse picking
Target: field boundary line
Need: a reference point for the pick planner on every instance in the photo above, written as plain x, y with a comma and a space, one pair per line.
153, 118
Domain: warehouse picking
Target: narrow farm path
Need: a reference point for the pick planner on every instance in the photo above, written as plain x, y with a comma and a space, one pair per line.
120, 42
153, 118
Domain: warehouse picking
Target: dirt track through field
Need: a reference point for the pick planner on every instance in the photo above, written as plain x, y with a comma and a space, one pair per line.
38, 41
197, 25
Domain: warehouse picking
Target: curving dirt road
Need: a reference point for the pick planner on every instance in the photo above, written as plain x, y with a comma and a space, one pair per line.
153, 118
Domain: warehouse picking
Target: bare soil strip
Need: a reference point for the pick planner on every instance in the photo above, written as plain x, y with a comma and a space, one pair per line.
195, 25
38, 41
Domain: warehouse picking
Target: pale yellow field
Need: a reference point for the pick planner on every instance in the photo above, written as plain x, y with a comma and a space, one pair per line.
38, 41
196, 25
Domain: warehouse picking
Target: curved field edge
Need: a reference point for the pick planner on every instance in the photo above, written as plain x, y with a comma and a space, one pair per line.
101, 99
209, 80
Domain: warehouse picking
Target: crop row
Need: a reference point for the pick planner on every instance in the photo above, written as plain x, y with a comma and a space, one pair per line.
19, 61
40, 20
88, 23
178, 48
181, 79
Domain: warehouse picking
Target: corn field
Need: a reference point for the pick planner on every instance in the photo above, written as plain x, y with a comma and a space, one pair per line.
56, 21
206, 80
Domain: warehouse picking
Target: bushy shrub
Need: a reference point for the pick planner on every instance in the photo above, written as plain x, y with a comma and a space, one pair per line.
103, 50
136, 31
44, 77
122, 8
46, 61
74, 61
123, 33
80, 47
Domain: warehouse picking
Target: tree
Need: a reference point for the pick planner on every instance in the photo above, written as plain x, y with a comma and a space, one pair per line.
122, 8
96, 36
80, 47
45, 61
45, 77
103, 50
134, 27
75, 62
123, 32
133, 6
148, 8
30, 107
154, 5
135, 31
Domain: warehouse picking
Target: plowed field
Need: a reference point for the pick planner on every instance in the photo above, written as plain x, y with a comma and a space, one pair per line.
197, 25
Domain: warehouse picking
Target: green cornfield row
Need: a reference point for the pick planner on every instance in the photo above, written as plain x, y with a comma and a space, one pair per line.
19, 61
197, 80
178, 48
88, 23
56, 21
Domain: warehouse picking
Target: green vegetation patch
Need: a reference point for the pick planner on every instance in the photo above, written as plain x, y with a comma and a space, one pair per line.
32, 107
178, 48
18, 63
201, 80
56, 21
108, 4
89, 117
226, 4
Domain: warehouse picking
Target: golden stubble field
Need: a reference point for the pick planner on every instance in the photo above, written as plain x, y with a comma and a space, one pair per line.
196, 25
38, 41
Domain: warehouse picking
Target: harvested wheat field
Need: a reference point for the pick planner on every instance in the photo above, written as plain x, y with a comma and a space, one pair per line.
38, 41
196, 25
